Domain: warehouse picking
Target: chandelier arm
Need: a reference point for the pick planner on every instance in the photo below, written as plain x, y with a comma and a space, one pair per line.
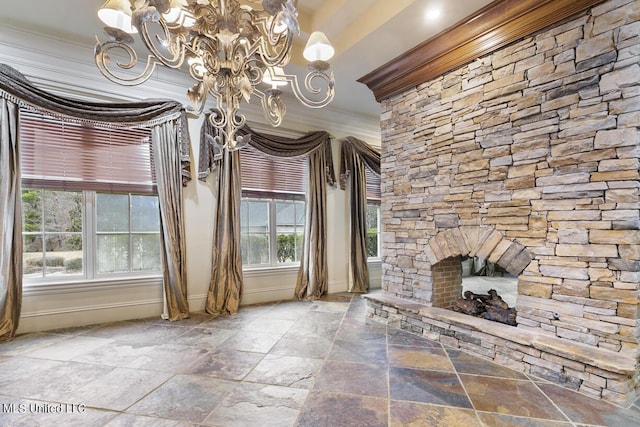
309, 87
272, 105
103, 61
271, 55
174, 44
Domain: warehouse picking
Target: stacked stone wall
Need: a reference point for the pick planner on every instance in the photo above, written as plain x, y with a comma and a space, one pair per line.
539, 142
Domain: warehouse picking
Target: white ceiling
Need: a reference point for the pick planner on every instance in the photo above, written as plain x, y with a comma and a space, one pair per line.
365, 33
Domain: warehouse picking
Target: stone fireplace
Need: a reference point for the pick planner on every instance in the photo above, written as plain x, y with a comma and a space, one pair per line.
527, 156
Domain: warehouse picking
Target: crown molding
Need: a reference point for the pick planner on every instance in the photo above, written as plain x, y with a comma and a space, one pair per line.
489, 29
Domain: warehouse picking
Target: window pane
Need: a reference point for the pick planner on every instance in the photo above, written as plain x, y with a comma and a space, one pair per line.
300, 214
63, 254
285, 213
258, 217
146, 252
52, 231
112, 212
113, 253
62, 211
372, 230
145, 213
258, 249
32, 256
32, 210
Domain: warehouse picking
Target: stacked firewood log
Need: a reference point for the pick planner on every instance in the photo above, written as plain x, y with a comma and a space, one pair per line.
489, 306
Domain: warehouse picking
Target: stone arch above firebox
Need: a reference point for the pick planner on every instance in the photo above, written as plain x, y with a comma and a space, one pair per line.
483, 242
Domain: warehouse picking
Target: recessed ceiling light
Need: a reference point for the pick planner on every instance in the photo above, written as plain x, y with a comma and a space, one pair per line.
433, 13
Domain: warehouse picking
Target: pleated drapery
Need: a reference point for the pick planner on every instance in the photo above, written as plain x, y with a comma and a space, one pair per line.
225, 289
10, 212
172, 164
313, 276
168, 164
226, 281
356, 156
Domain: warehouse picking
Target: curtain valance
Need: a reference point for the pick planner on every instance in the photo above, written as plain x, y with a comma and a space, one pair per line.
16, 88
353, 146
271, 145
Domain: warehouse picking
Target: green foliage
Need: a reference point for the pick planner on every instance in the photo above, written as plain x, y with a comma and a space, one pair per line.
32, 208
286, 247
372, 242
53, 261
73, 265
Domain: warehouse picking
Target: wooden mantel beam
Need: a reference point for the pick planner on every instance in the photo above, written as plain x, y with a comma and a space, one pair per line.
496, 25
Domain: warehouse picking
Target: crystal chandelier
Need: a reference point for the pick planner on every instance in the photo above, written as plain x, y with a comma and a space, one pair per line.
232, 49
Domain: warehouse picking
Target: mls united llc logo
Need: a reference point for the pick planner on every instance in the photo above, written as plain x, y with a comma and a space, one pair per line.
42, 408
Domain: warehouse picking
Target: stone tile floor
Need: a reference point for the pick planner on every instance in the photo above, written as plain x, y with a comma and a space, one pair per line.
284, 364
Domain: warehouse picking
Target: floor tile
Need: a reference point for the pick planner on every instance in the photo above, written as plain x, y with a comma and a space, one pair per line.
29, 342
131, 420
311, 345
417, 385
227, 364
125, 328
116, 353
510, 397
258, 342
203, 337
317, 323
373, 334
261, 405
69, 348
354, 378
118, 389
185, 398
270, 326
288, 310
597, 412
468, 364
432, 358
358, 351
20, 370
329, 306
287, 371
56, 381
498, 420
398, 337
169, 358
406, 414
334, 409
157, 334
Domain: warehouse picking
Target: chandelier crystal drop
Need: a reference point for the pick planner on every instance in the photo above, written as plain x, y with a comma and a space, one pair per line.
232, 49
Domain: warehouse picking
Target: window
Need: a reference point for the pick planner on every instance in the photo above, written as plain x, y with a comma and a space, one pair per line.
127, 233
87, 235
88, 201
373, 214
272, 211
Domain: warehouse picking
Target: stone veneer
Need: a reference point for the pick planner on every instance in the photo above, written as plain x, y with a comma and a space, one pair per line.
530, 157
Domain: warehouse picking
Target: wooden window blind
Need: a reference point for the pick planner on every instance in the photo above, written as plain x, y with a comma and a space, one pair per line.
272, 177
66, 155
373, 187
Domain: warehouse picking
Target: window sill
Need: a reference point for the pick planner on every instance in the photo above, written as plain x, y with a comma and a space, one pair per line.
89, 285
270, 271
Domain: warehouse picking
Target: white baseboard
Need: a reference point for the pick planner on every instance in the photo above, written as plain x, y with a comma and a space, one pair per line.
43, 320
